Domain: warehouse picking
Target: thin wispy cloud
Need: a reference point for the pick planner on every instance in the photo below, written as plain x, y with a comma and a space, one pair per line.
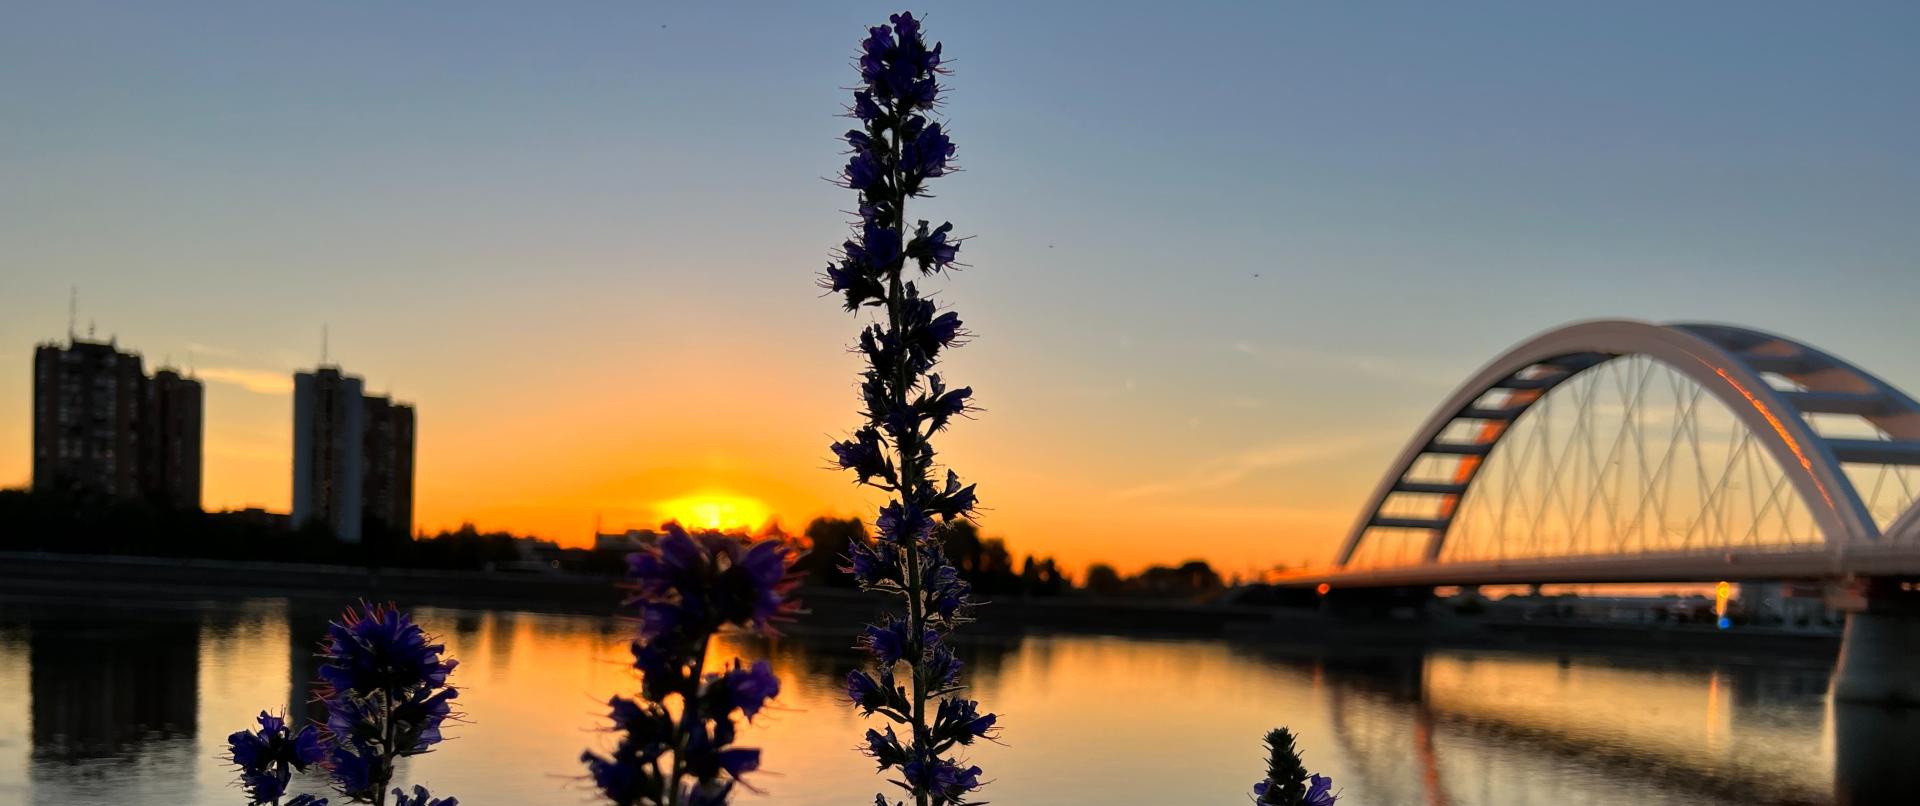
1316, 362
204, 350
1226, 471
253, 380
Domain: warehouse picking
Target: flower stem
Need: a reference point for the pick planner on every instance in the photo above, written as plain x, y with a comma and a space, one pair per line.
384, 772
689, 715
912, 475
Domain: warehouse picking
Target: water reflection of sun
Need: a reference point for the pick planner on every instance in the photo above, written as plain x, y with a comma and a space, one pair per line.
716, 510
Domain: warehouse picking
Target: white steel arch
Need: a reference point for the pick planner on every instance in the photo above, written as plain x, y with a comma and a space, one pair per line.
1731, 363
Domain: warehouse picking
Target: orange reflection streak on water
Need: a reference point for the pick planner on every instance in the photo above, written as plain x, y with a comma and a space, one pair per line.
1719, 719
1429, 760
1660, 716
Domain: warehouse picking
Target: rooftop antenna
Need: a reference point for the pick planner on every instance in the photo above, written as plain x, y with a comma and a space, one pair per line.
89, 329
323, 344
73, 311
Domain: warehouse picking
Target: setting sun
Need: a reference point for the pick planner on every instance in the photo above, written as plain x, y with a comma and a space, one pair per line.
716, 510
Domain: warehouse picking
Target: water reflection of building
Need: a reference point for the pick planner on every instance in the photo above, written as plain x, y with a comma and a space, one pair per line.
503, 629
306, 631
99, 691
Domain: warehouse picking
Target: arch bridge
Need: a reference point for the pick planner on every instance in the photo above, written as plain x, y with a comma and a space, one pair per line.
1630, 451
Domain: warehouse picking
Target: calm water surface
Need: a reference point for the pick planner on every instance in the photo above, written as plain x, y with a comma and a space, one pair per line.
133, 706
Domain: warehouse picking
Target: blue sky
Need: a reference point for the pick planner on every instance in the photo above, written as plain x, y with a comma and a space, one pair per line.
582, 236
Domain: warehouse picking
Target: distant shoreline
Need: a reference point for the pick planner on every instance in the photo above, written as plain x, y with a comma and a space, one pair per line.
47, 573
35, 577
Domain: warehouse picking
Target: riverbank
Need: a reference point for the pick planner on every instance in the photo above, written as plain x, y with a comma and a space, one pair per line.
138, 581
95, 578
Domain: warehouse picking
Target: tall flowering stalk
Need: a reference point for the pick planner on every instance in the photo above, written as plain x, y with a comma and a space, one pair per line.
1288, 783
386, 694
897, 149
687, 588
384, 686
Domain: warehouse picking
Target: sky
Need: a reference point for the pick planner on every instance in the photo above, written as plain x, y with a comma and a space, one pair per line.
1225, 256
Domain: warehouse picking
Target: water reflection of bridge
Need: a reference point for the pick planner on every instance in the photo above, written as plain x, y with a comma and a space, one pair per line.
1424, 729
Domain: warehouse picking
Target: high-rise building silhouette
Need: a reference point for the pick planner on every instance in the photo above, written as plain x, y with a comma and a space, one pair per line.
328, 435
352, 457
86, 409
170, 448
102, 428
387, 491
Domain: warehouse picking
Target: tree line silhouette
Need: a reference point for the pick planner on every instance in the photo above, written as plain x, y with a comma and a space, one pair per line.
59, 522
989, 566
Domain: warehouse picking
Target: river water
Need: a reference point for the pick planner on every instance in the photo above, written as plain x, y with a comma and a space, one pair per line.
132, 704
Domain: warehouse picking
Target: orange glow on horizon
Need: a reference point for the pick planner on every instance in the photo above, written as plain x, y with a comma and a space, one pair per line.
716, 510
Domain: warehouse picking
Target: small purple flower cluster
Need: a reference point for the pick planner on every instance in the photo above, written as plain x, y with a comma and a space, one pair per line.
384, 686
1288, 783
896, 150
687, 588
421, 797
1319, 792
269, 756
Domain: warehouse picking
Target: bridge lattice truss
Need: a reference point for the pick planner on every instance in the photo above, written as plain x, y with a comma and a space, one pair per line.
1632, 451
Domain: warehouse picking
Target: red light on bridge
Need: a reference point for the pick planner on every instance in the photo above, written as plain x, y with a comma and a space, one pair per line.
1322, 588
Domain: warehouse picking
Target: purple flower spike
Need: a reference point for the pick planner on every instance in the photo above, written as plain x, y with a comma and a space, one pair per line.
686, 588
900, 148
386, 694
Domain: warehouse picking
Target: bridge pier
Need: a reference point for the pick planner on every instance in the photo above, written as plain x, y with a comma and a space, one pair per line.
1873, 754
1880, 650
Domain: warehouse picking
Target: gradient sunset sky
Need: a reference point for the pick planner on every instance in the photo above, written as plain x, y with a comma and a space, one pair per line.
1228, 255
